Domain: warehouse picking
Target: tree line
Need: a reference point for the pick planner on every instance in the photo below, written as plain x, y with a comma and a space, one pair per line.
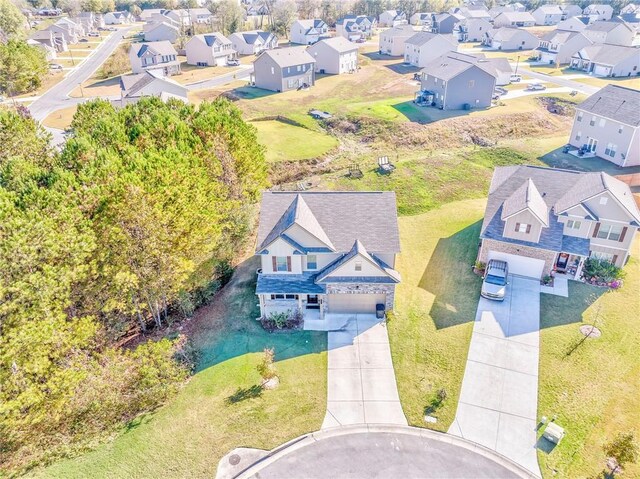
129, 227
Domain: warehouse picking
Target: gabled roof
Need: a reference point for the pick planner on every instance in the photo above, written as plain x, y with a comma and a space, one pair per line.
559, 36
615, 102
452, 64
518, 16
163, 47
251, 37
213, 38
550, 9
357, 249
527, 197
399, 30
604, 26
312, 24
507, 33
607, 54
132, 84
344, 217
339, 44
420, 38
288, 57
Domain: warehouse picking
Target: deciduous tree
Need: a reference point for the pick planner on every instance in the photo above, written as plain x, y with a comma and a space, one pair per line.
22, 67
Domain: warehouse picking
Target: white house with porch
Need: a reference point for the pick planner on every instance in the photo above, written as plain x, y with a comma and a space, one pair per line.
327, 252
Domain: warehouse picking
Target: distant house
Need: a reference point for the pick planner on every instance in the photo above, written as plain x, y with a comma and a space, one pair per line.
572, 24
500, 67
70, 35
421, 19
200, 16
117, 18
571, 10
607, 60
514, 19
180, 16
356, 27
457, 81
548, 14
607, 124
284, 69
470, 12
630, 8
335, 56
51, 39
391, 18
471, 29
50, 52
498, 9
510, 39
599, 11
541, 220
148, 13
154, 56
559, 46
160, 31
253, 42
149, 83
615, 33
424, 47
209, 49
392, 40
444, 23
308, 32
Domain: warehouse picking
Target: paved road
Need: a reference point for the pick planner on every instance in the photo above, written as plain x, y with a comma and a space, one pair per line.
58, 96
558, 80
499, 394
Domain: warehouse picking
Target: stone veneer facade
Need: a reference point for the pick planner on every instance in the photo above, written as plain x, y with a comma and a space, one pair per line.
549, 257
370, 288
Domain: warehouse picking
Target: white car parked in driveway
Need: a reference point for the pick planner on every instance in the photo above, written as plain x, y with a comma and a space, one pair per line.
494, 283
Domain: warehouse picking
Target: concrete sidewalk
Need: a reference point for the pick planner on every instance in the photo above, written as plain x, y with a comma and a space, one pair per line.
361, 385
499, 395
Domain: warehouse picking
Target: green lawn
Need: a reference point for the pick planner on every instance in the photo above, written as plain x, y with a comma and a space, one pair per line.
594, 390
435, 307
188, 436
285, 142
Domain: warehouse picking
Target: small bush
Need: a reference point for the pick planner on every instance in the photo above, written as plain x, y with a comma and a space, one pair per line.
601, 270
285, 320
267, 368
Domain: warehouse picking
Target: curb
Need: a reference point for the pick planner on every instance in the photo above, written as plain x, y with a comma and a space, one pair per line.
310, 438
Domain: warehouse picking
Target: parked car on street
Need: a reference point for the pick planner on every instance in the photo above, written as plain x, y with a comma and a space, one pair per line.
494, 283
55, 66
93, 34
515, 78
536, 87
233, 63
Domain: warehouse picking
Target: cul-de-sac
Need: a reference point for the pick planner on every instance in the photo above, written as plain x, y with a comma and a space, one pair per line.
319, 239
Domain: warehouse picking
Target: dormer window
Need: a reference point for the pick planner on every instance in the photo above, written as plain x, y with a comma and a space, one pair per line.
281, 263
523, 228
358, 266
312, 261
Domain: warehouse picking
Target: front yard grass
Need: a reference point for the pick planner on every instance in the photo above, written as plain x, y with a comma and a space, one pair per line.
221, 407
594, 390
60, 119
435, 308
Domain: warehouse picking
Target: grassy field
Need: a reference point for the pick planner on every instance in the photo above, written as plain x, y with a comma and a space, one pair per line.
284, 141
435, 308
222, 407
593, 390
97, 88
60, 119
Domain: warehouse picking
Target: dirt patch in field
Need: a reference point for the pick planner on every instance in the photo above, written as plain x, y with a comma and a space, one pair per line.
557, 106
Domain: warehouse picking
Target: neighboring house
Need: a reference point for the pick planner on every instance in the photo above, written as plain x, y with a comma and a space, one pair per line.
607, 60
159, 56
548, 14
471, 29
457, 81
284, 69
498, 9
614, 33
424, 47
200, 16
607, 124
571, 10
391, 18
209, 49
253, 42
631, 8
70, 36
599, 12
50, 39
541, 220
156, 32
136, 86
392, 40
514, 19
559, 46
334, 56
148, 14
444, 23
421, 19
572, 24
501, 69
518, 7
510, 39
308, 32
327, 252
468, 13
117, 18
180, 16
356, 27
49, 51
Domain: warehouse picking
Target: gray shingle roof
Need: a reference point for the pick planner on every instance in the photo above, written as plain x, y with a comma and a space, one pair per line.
370, 217
289, 284
339, 44
288, 57
527, 197
616, 103
507, 33
420, 38
606, 54
450, 65
518, 16
163, 47
603, 26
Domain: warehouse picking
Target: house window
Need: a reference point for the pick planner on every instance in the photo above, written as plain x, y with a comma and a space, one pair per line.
574, 225
312, 261
472, 83
610, 232
620, 129
523, 227
593, 121
611, 150
291, 296
358, 266
299, 68
578, 136
277, 296
602, 122
273, 72
600, 255
281, 263
579, 117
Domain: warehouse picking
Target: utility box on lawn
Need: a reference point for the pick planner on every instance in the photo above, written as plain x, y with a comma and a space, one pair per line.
553, 433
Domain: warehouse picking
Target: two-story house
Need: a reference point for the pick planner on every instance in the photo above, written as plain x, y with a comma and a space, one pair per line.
158, 31
423, 47
471, 29
253, 42
209, 49
200, 16
392, 40
599, 11
613, 33
117, 18
540, 220
334, 56
444, 23
607, 124
356, 27
158, 56
308, 32
391, 18
284, 69
508, 38
557, 47
514, 19
327, 252
421, 19
548, 14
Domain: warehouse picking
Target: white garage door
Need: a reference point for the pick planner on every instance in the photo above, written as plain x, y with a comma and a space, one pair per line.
354, 303
601, 71
520, 265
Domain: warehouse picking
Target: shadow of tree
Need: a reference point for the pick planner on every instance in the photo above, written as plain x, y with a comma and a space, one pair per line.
544, 445
242, 394
559, 311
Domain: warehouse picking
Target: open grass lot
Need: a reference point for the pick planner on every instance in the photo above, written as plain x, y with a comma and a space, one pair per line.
60, 119
193, 74
593, 391
282, 141
97, 88
222, 407
435, 308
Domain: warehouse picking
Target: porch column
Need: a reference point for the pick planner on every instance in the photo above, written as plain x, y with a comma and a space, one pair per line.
579, 269
300, 303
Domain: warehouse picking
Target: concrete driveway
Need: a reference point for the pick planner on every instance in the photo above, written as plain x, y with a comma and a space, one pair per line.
499, 396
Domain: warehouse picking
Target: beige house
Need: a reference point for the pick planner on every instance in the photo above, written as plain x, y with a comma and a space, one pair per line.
424, 47
253, 42
571, 24
507, 38
541, 220
139, 85
607, 125
471, 29
391, 18
209, 49
599, 11
160, 31
392, 40
558, 47
335, 56
613, 33
548, 14
607, 60
514, 19
157, 56
308, 32
327, 252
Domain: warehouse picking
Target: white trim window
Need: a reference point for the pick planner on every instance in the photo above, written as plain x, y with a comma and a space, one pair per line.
523, 228
600, 255
610, 232
611, 150
312, 262
358, 266
574, 224
282, 263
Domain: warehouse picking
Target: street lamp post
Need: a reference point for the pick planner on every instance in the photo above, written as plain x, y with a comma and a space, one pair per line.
517, 63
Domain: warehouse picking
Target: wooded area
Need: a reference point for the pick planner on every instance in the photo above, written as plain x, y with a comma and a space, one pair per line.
130, 226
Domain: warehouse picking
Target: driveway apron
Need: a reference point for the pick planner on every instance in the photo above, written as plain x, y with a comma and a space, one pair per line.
499, 395
361, 383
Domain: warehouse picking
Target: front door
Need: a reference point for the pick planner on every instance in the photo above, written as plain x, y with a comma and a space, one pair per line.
592, 144
563, 259
312, 301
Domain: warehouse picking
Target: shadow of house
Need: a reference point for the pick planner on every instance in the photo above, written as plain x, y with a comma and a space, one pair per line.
413, 112
251, 92
560, 311
449, 277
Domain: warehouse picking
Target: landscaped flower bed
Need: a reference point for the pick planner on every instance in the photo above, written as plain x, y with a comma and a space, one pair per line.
600, 272
285, 320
